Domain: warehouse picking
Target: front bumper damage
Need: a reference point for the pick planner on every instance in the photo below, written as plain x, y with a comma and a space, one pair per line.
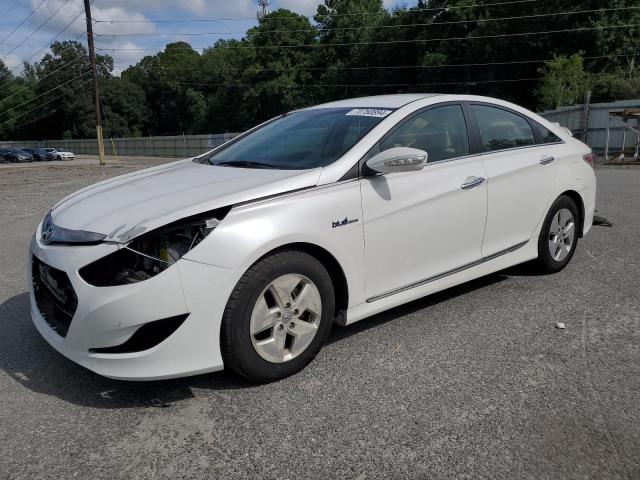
106, 319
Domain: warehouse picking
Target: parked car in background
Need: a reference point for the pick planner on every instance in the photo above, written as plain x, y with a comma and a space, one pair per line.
53, 154
245, 256
15, 155
39, 154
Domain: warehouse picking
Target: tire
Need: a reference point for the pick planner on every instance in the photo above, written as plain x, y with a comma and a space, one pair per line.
269, 344
557, 236
58, 157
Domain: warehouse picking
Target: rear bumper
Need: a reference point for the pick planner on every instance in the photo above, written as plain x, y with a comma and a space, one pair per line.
109, 316
588, 195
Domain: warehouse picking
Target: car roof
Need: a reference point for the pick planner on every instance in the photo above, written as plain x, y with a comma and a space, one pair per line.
377, 101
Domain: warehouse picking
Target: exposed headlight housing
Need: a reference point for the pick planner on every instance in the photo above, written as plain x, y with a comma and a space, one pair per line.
52, 233
153, 252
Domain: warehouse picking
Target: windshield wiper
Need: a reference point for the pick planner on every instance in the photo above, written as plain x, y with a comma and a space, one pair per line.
244, 164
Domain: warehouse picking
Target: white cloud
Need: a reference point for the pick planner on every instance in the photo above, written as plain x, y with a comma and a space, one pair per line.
303, 7
13, 62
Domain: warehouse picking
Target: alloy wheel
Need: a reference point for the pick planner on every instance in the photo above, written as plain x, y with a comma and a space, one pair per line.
285, 318
562, 234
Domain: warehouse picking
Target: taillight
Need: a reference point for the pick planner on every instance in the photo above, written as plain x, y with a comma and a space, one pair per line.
590, 158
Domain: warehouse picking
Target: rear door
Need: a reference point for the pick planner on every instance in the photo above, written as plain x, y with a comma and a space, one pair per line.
520, 174
420, 225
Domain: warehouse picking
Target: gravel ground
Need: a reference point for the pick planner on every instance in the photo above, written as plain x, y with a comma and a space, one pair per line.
474, 382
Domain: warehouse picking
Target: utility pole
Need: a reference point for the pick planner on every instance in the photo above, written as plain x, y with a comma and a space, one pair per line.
96, 90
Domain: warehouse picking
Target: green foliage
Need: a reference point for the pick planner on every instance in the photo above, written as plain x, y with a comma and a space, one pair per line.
564, 82
352, 48
613, 87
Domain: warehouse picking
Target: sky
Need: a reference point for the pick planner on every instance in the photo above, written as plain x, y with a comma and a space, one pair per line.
27, 27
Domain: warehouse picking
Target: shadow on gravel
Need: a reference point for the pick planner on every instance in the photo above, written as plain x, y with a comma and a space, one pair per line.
31, 362
339, 333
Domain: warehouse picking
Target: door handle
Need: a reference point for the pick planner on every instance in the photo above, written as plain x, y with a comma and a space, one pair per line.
472, 182
546, 160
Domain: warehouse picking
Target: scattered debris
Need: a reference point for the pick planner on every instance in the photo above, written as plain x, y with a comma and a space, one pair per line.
560, 325
157, 403
396, 349
106, 394
598, 220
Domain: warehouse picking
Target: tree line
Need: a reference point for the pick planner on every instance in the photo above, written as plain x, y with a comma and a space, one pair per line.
538, 53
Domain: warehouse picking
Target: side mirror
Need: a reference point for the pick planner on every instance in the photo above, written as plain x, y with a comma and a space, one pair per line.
398, 159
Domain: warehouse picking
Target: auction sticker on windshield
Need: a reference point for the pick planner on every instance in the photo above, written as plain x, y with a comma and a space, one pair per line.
369, 112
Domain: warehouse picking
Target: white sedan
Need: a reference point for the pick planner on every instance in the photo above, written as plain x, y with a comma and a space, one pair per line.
244, 257
53, 154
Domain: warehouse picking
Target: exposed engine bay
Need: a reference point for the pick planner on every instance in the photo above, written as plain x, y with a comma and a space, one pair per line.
159, 250
153, 252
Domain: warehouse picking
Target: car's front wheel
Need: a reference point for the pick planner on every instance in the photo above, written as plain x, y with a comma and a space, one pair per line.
559, 236
278, 316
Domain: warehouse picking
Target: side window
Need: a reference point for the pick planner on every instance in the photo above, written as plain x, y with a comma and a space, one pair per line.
441, 132
500, 129
546, 135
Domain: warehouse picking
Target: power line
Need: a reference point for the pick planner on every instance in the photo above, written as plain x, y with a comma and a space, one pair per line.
373, 27
42, 104
34, 10
31, 84
391, 67
45, 93
325, 85
39, 27
6, 84
58, 35
388, 42
329, 15
22, 23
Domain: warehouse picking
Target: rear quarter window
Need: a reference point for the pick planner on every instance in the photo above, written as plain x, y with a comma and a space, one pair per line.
546, 135
500, 129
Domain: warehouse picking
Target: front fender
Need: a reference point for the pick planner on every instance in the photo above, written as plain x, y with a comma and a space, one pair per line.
329, 217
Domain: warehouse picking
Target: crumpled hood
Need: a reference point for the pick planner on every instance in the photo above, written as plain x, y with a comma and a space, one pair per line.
128, 205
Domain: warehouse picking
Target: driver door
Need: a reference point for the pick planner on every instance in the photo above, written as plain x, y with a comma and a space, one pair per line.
419, 225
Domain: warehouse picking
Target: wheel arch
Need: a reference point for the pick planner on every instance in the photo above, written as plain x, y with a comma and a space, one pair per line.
577, 199
329, 261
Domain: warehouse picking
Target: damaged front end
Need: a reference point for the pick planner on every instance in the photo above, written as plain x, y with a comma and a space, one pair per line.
153, 252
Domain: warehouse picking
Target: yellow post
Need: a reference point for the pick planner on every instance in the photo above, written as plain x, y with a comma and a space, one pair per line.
100, 145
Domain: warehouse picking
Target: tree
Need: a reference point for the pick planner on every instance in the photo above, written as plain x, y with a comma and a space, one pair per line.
615, 87
564, 82
279, 69
59, 93
15, 97
124, 108
354, 48
165, 78
346, 26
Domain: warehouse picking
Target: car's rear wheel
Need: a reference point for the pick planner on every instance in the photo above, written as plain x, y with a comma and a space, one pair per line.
278, 316
559, 236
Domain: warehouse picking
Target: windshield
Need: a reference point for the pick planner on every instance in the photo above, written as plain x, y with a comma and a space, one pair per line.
300, 140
